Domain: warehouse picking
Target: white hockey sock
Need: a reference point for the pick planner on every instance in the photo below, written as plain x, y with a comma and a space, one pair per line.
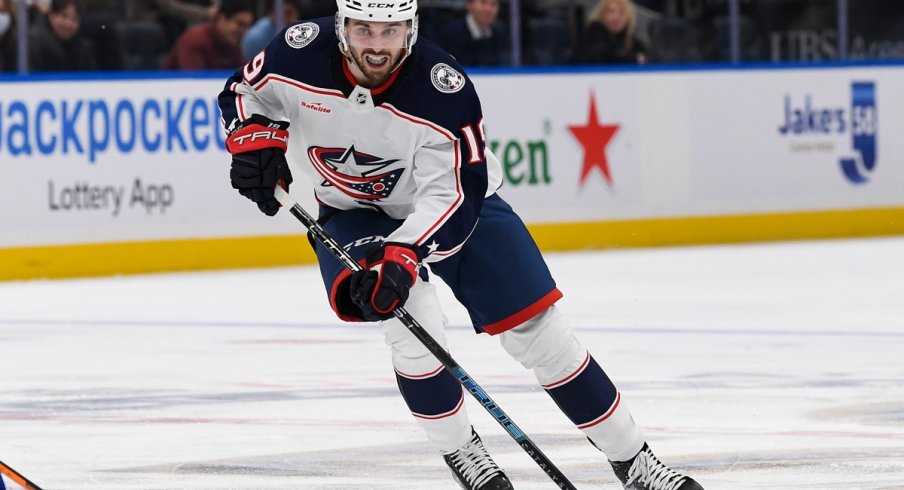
450, 433
547, 345
618, 437
450, 430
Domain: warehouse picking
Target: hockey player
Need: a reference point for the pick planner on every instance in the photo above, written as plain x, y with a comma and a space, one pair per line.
391, 135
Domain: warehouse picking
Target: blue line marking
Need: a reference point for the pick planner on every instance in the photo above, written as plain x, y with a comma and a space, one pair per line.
682, 67
524, 70
103, 76
602, 329
743, 331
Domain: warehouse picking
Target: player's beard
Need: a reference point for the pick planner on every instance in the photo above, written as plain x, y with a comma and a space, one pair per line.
376, 75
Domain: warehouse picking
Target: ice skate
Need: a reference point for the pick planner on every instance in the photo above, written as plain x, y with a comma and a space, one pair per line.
646, 472
475, 469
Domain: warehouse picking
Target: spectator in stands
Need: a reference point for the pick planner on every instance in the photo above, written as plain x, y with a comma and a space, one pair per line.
259, 36
478, 38
151, 27
100, 19
185, 10
54, 43
192, 11
38, 6
214, 45
174, 16
7, 35
610, 35
318, 8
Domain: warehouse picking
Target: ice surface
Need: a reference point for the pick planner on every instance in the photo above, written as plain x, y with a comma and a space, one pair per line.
769, 366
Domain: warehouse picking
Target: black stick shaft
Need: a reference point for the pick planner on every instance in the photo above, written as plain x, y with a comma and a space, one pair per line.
437, 350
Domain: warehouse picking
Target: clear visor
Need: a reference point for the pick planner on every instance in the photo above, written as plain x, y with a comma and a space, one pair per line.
377, 35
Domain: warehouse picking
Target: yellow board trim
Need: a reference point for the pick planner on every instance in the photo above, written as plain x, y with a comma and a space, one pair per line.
65, 261
103, 259
703, 230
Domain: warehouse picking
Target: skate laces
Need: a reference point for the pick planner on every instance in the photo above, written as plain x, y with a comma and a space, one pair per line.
650, 471
474, 463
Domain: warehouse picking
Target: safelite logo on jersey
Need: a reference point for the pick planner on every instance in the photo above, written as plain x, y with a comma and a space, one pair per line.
812, 126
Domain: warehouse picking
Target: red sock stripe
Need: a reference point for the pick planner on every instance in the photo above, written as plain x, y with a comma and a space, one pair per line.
604, 416
450, 413
421, 376
571, 376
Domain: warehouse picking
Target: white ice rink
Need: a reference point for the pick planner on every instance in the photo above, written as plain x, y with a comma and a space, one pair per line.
770, 366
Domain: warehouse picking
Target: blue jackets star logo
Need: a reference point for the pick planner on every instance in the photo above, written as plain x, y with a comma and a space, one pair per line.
357, 174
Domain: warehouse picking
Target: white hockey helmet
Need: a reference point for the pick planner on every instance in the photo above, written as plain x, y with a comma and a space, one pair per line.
377, 11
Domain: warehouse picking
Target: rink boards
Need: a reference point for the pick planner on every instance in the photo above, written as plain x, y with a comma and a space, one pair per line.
129, 175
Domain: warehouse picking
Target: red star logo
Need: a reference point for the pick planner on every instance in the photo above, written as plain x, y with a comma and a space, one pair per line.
594, 137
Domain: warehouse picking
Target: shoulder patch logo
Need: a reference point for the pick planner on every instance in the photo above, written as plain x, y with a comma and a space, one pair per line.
447, 79
300, 35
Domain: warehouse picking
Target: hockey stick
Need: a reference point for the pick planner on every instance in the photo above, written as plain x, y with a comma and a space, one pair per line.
441, 354
17, 477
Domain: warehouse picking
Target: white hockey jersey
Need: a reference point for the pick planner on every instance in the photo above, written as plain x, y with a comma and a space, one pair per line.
413, 148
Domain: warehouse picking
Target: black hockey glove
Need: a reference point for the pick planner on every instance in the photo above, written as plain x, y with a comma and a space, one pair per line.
383, 284
258, 150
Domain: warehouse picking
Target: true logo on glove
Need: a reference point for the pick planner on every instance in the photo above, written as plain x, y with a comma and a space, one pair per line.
409, 260
258, 132
270, 135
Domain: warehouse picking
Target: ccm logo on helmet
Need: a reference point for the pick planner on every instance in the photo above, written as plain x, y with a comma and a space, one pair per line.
380, 5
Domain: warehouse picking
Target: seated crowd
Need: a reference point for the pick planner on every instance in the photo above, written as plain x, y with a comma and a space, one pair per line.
80, 35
